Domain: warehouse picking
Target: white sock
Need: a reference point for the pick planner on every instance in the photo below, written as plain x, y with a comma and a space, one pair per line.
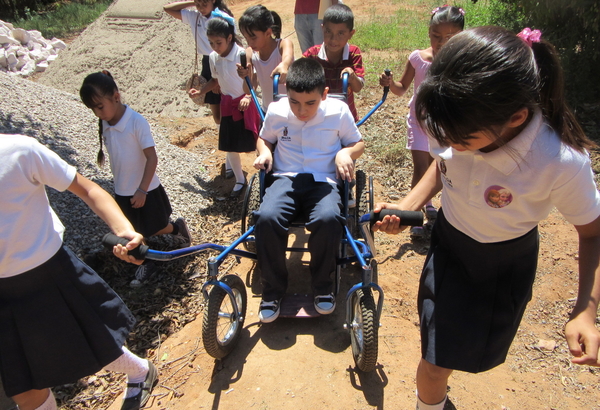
235, 160
227, 164
133, 366
423, 406
49, 404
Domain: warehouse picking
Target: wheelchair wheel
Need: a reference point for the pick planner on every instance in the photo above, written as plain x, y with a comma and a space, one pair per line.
251, 204
364, 330
365, 199
221, 328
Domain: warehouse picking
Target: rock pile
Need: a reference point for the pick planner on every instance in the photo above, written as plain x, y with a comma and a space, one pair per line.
26, 52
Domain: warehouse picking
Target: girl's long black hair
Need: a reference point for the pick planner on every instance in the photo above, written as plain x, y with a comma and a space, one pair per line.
218, 26
259, 18
483, 76
96, 86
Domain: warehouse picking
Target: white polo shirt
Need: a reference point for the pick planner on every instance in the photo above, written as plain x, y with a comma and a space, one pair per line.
311, 146
225, 70
125, 142
534, 172
30, 231
198, 23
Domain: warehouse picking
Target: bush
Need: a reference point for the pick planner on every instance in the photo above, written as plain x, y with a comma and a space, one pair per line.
573, 26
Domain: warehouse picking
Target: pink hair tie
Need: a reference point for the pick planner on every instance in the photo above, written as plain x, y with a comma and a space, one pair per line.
435, 10
530, 36
461, 11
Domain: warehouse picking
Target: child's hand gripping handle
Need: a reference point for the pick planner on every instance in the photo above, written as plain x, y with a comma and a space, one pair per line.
110, 240
387, 72
243, 61
407, 218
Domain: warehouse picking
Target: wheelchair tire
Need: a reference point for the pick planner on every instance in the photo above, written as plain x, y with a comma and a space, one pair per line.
365, 198
220, 327
251, 203
364, 330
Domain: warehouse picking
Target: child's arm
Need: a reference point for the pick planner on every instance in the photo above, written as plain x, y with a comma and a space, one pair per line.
286, 49
174, 9
354, 81
399, 87
428, 186
107, 209
212, 84
344, 160
265, 155
139, 197
582, 335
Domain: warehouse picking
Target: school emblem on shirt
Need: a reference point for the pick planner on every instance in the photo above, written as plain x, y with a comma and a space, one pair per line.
497, 196
443, 170
285, 137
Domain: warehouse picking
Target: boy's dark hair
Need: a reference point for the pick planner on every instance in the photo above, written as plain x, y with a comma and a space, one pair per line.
218, 26
482, 76
306, 75
338, 14
259, 18
448, 14
95, 87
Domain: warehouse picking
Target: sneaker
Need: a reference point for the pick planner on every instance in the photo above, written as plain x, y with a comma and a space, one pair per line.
143, 273
184, 232
417, 232
430, 212
268, 311
325, 304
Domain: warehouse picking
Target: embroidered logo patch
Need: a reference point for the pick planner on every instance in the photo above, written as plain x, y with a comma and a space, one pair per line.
443, 170
497, 196
285, 137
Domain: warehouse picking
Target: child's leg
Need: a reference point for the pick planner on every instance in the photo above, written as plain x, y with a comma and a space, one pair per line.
235, 161
216, 112
271, 229
326, 229
432, 383
133, 366
35, 400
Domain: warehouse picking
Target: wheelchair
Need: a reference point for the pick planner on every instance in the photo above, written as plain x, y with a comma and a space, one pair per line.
226, 296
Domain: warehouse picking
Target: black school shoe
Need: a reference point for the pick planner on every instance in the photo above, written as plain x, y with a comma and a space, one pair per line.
139, 400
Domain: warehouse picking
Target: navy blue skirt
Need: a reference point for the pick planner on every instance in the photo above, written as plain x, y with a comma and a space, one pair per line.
210, 97
472, 297
153, 216
59, 322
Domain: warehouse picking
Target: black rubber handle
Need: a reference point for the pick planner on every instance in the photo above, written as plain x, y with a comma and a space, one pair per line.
243, 61
110, 240
407, 218
387, 72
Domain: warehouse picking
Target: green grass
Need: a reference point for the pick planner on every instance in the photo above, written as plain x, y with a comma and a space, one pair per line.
65, 18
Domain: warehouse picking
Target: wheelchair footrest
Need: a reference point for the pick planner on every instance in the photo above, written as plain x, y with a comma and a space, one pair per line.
298, 305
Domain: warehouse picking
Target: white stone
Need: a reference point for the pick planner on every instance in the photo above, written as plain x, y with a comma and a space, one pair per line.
7, 24
22, 35
41, 66
4, 38
56, 43
28, 69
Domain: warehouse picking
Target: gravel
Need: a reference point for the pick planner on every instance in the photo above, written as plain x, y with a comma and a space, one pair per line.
61, 122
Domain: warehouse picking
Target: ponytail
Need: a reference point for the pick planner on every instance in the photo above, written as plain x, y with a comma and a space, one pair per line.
276, 27
220, 4
552, 98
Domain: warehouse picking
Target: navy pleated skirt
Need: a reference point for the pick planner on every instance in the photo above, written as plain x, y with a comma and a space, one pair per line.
472, 297
59, 322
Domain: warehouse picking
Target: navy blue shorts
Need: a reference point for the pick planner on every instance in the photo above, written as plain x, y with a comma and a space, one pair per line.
153, 216
472, 297
59, 322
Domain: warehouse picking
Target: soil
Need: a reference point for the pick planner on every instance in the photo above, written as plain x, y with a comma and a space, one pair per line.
307, 363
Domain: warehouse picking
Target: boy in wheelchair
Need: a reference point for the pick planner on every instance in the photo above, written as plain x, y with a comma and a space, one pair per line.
310, 143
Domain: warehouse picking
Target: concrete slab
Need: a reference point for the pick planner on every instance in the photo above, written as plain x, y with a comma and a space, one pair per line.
137, 9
